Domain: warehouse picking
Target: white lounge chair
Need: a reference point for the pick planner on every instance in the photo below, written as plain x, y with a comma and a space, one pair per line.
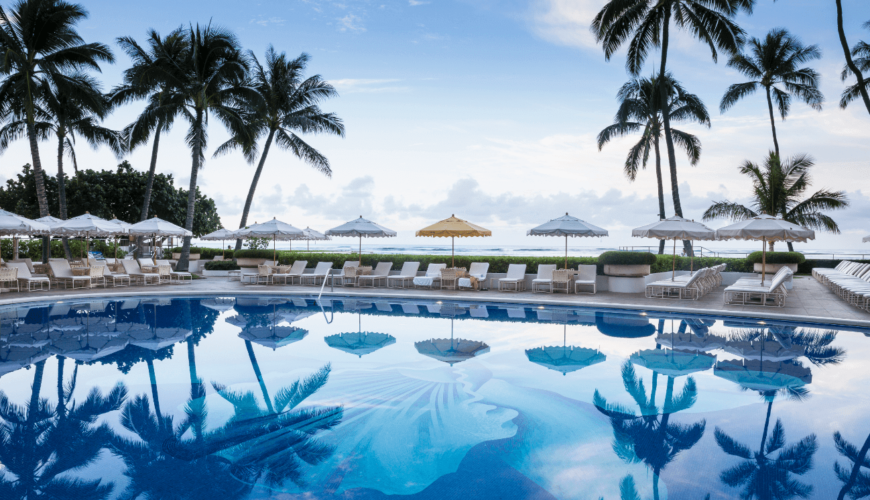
132, 269
516, 278
295, 272
543, 282
406, 275
117, 279
145, 264
586, 277
340, 275
30, 268
381, 272
477, 270
746, 293
668, 289
63, 274
179, 276
433, 274
321, 271
27, 279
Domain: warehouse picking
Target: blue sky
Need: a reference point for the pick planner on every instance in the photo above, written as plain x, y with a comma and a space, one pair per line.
489, 109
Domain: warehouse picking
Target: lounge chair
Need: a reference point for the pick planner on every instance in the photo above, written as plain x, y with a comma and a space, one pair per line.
673, 288
745, 293
516, 278
29, 263
146, 264
586, 277
477, 271
407, 274
28, 280
109, 275
321, 271
544, 281
409, 308
380, 273
295, 271
132, 269
63, 274
9, 278
340, 275
179, 276
433, 274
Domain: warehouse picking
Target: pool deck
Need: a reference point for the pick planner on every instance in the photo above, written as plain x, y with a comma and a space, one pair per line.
808, 301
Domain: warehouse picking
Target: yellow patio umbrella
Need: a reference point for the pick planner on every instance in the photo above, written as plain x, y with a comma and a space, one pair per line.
454, 227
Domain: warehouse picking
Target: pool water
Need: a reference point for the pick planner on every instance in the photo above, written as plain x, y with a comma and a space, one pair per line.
285, 398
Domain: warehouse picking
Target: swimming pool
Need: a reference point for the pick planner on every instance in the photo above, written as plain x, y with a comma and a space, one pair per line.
277, 397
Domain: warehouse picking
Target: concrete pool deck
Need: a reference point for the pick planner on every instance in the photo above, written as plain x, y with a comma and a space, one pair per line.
809, 301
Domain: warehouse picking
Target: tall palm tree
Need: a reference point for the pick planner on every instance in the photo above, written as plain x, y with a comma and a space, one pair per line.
856, 482
149, 77
862, 86
209, 80
777, 189
647, 24
284, 106
640, 111
861, 62
41, 46
771, 62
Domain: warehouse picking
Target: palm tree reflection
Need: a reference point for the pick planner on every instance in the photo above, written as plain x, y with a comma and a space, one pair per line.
856, 482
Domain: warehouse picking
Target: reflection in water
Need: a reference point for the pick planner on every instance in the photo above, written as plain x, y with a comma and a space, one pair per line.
855, 479
565, 359
449, 350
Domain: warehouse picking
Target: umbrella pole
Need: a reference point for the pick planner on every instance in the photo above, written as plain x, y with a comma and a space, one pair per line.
692, 264
274, 249
360, 251
566, 251
674, 266
453, 251
153, 251
763, 258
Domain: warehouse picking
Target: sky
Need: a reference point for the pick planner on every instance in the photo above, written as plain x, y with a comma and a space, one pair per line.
489, 110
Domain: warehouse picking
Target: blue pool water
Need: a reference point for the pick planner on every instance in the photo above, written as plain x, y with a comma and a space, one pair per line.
286, 398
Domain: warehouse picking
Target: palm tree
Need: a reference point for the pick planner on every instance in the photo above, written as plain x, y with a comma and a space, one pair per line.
41, 46
861, 87
777, 191
856, 483
651, 437
640, 110
285, 105
149, 78
774, 61
861, 62
208, 80
647, 23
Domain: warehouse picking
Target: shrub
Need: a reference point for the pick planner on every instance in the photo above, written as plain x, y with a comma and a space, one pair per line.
254, 254
32, 248
204, 253
777, 258
627, 259
664, 263
221, 265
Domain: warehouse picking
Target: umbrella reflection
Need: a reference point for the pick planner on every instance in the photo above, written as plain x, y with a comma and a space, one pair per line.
451, 350
359, 343
567, 358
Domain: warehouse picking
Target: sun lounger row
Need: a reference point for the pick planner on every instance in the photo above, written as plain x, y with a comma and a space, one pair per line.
849, 280
690, 286
751, 291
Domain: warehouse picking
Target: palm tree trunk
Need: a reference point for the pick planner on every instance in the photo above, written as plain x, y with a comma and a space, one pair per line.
153, 377
849, 62
38, 178
772, 122
666, 120
61, 188
250, 200
191, 195
61, 401
259, 375
29, 460
766, 426
149, 184
856, 469
661, 189
191, 362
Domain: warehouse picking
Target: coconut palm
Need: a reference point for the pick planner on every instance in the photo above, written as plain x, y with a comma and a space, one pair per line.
208, 80
856, 482
149, 78
650, 437
777, 190
861, 61
645, 24
640, 111
862, 86
284, 106
41, 47
773, 64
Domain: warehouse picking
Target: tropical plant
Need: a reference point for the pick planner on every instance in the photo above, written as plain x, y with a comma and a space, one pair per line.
640, 111
647, 24
41, 48
861, 88
856, 482
771, 62
283, 107
777, 189
149, 77
650, 437
861, 62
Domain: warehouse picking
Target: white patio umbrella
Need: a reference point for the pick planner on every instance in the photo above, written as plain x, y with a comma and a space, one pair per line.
312, 235
125, 225
567, 226
675, 228
87, 226
155, 227
222, 235
16, 225
276, 229
361, 228
765, 228
50, 221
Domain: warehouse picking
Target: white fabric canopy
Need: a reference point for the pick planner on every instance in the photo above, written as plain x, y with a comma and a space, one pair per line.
50, 221
87, 225
567, 226
274, 229
125, 225
15, 225
220, 234
312, 235
675, 228
361, 228
767, 228
159, 227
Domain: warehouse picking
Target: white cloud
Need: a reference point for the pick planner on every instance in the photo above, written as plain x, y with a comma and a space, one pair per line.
266, 21
414, 3
351, 23
565, 22
367, 85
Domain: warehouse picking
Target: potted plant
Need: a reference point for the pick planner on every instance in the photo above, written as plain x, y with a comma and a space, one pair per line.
775, 261
627, 264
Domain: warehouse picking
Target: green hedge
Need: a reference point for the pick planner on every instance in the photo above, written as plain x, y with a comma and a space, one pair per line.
204, 253
255, 254
777, 258
221, 265
627, 259
32, 248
